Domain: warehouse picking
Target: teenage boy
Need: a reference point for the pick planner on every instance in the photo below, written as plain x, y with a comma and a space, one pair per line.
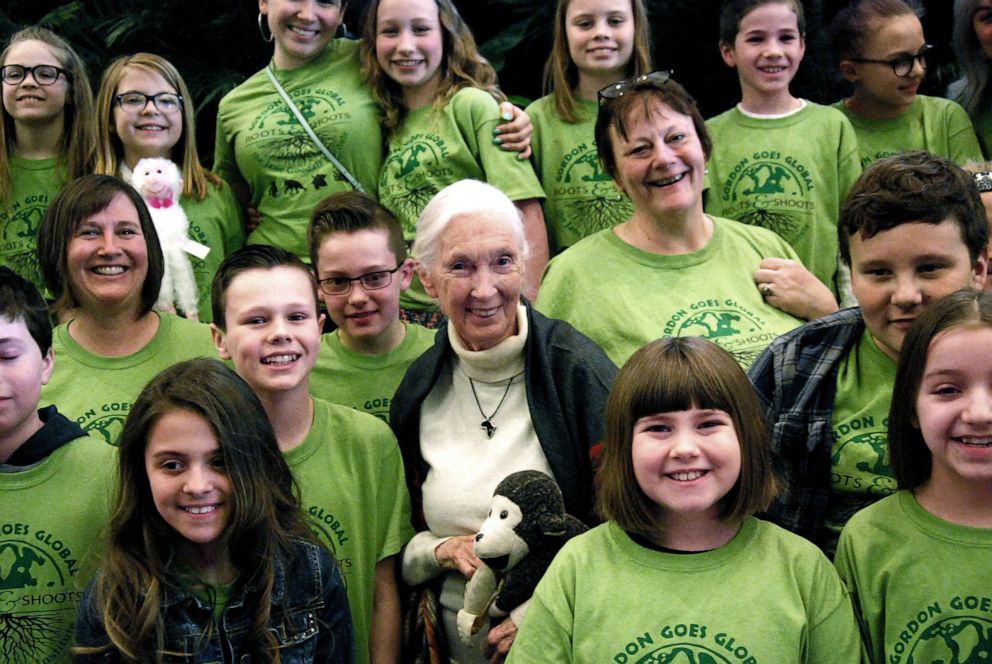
359, 255
778, 161
347, 464
54, 487
912, 230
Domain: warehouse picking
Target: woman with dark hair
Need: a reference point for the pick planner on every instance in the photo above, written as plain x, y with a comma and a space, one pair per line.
210, 555
102, 263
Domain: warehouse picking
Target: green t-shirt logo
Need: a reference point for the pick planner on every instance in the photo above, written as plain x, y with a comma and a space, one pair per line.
956, 640
36, 595
771, 191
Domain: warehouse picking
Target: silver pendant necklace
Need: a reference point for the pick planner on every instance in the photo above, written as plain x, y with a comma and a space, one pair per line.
487, 422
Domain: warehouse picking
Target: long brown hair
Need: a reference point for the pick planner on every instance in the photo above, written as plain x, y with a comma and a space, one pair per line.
912, 461
76, 148
110, 151
462, 66
145, 553
561, 76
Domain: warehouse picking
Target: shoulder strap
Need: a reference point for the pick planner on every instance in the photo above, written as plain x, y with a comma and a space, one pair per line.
313, 137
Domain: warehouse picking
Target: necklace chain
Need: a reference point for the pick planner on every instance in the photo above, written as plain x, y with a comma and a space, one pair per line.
487, 422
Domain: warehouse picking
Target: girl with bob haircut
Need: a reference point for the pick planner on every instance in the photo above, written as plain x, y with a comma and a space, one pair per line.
102, 262
596, 43
46, 137
685, 465
940, 442
450, 95
210, 556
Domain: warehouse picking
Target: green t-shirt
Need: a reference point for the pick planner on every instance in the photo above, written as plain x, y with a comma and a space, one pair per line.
261, 144
921, 586
622, 297
938, 125
786, 174
766, 597
97, 392
983, 128
860, 469
581, 197
34, 183
52, 528
433, 149
365, 382
353, 490
216, 222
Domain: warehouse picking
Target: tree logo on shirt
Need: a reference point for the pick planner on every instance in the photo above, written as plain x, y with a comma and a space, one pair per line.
734, 327
956, 640
37, 599
23, 223
582, 165
107, 422
770, 191
278, 143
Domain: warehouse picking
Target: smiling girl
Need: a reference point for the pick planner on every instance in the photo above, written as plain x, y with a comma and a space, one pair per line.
439, 96
47, 137
143, 109
929, 544
210, 557
682, 570
596, 43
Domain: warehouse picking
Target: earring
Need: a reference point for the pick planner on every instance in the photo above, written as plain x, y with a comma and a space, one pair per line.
262, 27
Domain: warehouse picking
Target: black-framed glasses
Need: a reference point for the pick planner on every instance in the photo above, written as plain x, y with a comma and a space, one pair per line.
370, 281
902, 65
135, 102
42, 74
617, 90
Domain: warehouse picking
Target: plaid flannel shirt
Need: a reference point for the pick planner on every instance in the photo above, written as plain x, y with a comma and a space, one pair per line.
796, 380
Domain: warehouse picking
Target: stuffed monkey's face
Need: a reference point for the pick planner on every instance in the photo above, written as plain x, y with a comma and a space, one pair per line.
497, 543
157, 178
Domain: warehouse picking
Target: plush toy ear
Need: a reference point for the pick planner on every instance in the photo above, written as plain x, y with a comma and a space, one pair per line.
552, 525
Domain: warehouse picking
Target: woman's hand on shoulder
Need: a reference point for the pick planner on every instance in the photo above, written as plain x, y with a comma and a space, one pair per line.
787, 285
514, 134
458, 553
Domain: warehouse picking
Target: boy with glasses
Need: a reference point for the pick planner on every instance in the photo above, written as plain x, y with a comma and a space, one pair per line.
359, 255
884, 57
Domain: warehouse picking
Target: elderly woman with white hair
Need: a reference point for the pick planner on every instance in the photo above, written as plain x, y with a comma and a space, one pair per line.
503, 389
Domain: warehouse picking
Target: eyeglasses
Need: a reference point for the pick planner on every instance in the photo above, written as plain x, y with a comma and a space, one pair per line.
617, 90
42, 74
135, 102
902, 65
370, 281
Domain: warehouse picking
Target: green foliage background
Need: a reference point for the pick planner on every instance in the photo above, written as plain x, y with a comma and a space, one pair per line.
215, 44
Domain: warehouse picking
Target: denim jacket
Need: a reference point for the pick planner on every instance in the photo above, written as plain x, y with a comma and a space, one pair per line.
314, 627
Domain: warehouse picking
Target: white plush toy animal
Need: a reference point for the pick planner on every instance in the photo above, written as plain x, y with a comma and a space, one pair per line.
160, 183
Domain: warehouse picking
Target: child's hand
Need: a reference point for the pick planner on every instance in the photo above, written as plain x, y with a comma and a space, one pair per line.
789, 286
514, 134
